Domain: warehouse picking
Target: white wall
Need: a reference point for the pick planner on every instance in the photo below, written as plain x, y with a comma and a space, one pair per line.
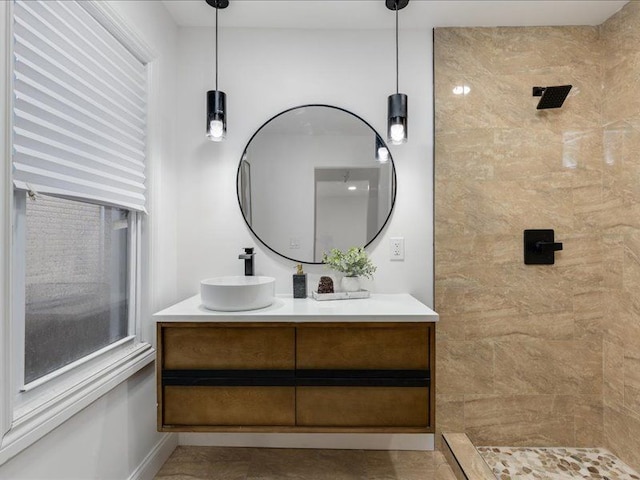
264, 72
107, 440
112, 437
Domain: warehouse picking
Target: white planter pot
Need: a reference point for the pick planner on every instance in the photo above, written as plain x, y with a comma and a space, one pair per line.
350, 284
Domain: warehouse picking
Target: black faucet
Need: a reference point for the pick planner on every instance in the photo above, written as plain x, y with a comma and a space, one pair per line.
247, 256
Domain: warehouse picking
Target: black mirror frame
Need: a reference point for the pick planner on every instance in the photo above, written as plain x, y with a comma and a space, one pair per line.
242, 156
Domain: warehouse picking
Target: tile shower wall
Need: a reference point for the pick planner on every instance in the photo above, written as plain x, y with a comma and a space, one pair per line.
539, 355
621, 229
519, 346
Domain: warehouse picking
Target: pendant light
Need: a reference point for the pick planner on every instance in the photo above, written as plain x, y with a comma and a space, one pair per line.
397, 117
217, 99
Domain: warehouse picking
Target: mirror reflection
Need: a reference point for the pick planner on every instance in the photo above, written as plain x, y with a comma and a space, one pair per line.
314, 178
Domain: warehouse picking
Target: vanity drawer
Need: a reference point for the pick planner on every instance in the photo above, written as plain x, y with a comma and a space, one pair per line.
394, 347
228, 348
229, 406
362, 407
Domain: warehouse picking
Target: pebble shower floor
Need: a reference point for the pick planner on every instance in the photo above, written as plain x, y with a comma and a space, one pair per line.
555, 463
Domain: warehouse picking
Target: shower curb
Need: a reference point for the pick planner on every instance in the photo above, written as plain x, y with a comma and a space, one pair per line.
464, 459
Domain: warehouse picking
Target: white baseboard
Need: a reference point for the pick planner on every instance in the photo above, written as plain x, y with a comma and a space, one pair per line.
342, 441
155, 459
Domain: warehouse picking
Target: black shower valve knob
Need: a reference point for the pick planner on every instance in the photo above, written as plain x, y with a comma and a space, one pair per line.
540, 247
548, 246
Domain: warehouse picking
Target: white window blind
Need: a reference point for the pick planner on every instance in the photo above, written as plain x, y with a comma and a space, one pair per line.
79, 107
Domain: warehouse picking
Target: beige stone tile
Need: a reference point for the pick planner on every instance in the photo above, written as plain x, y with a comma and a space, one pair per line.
511, 111
452, 300
621, 147
631, 263
582, 151
627, 325
614, 135
632, 380
467, 458
577, 271
520, 420
523, 50
520, 168
552, 326
613, 375
621, 33
464, 367
588, 311
443, 472
585, 365
616, 217
622, 435
579, 249
461, 158
522, 153
544, 366
543, 298
462, 50
587, 204
449, 412
307, 464
621, 325
449, 327
391, 465
206, 463
589, 421
464, 140
464, 250
450, 207
503, 207
189, 462
441, 468
525, 367
613, 260
623, 79
450, 109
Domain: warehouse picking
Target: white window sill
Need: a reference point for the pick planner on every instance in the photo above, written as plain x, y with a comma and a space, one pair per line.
35, 423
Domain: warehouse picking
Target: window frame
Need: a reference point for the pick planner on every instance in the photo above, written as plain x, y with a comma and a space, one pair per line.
28, 412
29, 396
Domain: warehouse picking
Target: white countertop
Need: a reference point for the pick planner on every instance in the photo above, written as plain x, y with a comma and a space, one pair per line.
396, 307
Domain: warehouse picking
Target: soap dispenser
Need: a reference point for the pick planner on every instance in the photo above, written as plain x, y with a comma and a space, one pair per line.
299, 283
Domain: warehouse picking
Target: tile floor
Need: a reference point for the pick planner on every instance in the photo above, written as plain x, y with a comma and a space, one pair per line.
524, 463
216, 463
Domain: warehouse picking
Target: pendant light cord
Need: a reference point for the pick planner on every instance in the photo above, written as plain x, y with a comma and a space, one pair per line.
397, 68
216, 47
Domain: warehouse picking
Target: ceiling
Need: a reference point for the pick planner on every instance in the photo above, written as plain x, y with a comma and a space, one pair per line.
372, 14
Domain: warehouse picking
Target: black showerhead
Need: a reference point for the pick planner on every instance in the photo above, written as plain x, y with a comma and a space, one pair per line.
552, 97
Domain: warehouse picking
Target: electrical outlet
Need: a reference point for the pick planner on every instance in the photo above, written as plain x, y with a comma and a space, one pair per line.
397, 248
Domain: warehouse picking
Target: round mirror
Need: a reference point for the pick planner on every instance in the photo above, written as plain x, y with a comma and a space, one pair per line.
313, 178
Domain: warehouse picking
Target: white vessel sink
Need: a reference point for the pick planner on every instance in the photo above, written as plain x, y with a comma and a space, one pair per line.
232, 294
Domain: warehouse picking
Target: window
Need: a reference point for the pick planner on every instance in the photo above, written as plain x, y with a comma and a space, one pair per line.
78, 90
76, 282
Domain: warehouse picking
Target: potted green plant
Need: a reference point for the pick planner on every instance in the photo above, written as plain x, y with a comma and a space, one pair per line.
354, 264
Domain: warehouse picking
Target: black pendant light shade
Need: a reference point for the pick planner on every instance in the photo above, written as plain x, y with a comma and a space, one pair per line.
217, 99
397, 125
216, 117
398, 111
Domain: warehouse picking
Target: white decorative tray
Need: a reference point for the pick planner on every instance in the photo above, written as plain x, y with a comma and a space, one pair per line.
340, 295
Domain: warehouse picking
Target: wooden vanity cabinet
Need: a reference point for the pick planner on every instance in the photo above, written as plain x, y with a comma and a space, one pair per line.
222, 376
375, 375
288, 377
